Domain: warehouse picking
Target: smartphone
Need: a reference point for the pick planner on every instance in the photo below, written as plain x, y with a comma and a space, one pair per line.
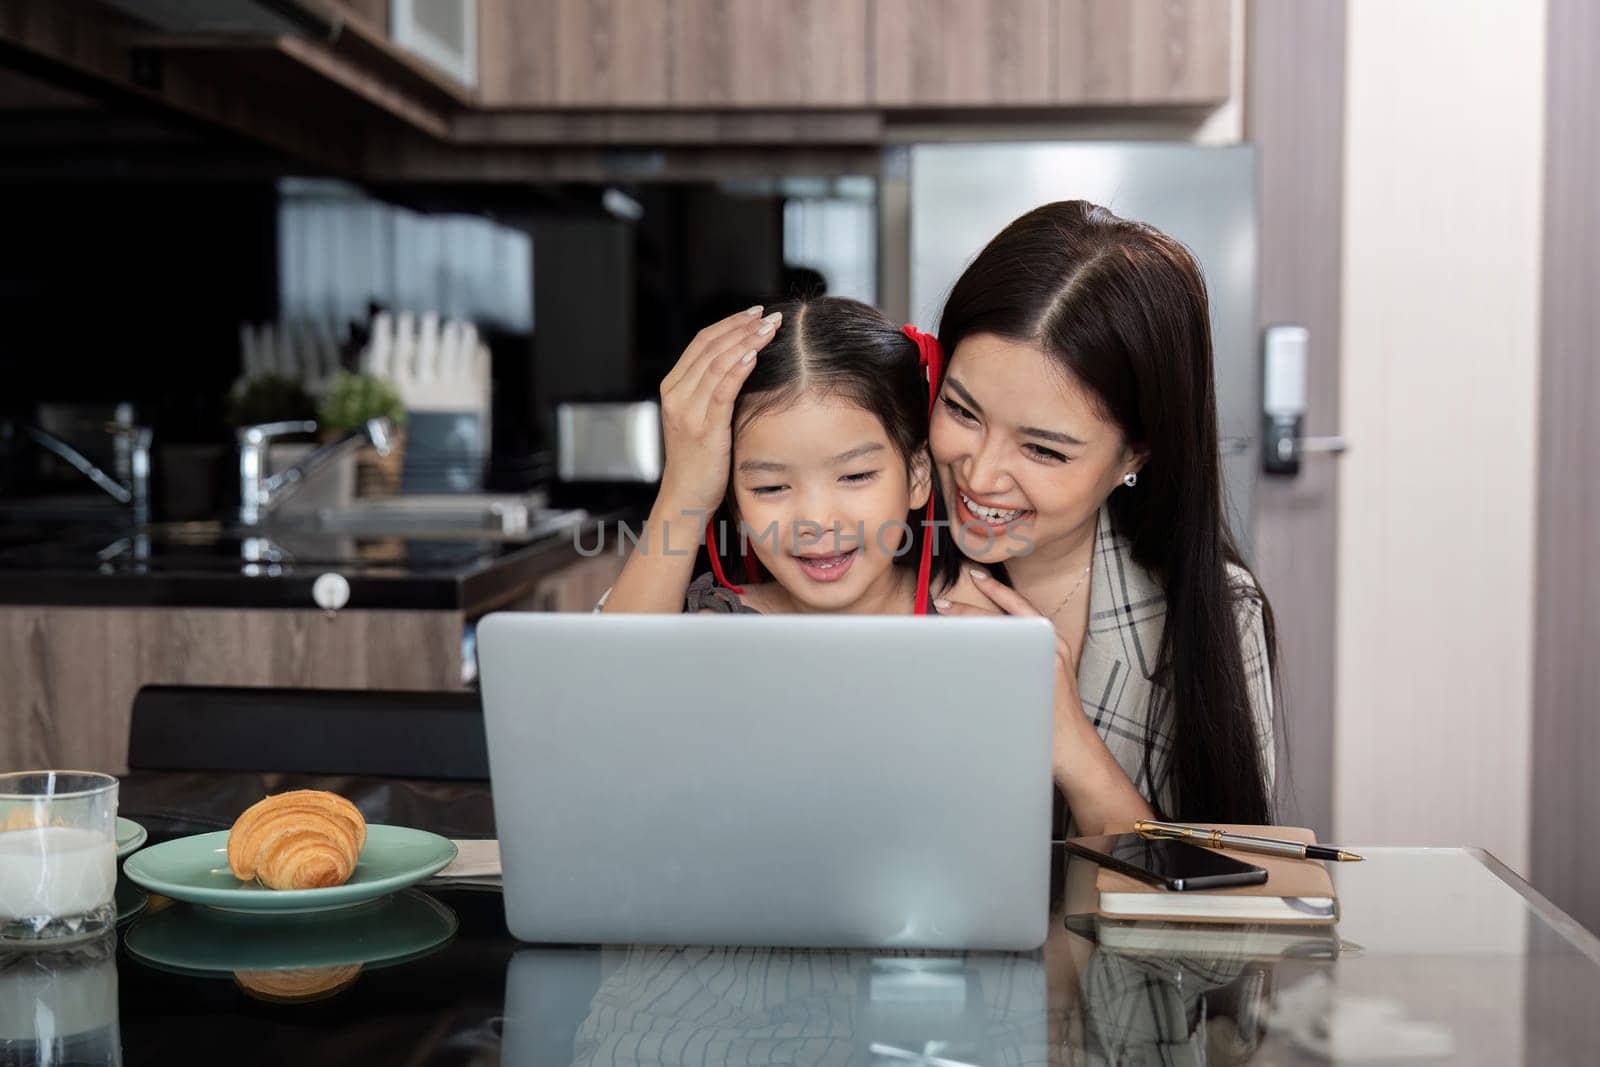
1175, 865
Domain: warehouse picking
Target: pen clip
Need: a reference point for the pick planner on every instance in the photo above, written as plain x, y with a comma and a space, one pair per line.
1159, 832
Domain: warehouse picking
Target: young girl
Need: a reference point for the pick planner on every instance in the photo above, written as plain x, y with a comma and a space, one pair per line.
806, 446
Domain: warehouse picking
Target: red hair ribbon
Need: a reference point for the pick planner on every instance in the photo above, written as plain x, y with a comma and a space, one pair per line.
716, 560
931, 355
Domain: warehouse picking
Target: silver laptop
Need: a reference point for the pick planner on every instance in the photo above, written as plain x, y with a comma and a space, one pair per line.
876, 782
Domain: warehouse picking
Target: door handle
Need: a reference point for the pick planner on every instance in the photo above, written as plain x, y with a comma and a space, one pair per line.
1284, 404
1331, 445
1287, 446
1285, 449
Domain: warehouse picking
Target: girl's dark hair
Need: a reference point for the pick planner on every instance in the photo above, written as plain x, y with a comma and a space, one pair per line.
1122, 307
838, 347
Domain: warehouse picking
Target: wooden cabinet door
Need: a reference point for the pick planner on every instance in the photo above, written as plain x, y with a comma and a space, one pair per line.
71, 673
577, 587
573, 53
374, 12
958, 53
1144, 51
815, 54
769, 53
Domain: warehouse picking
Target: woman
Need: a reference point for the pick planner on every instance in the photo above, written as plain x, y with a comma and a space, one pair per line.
1077, 418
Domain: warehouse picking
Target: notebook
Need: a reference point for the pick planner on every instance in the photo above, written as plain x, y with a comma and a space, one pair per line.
1296, 891
1265, 943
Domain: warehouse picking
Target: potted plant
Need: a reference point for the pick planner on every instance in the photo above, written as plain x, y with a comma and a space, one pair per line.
271, 398
353, 399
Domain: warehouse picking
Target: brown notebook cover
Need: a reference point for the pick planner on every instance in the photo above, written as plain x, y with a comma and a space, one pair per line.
1296, 892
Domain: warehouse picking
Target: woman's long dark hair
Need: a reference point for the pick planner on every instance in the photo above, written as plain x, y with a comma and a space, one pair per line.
839, 347
1123, 308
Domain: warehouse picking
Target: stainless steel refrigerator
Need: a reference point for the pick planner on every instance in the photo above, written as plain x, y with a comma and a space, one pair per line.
943, 202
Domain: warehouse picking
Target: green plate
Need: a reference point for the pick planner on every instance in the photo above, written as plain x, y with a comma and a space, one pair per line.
195, 869
213, 944
130, 835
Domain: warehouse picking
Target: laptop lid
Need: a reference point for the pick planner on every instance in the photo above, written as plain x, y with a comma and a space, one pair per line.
772, 780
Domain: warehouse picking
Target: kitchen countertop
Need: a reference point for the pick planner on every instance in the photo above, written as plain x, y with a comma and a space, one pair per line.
208, 565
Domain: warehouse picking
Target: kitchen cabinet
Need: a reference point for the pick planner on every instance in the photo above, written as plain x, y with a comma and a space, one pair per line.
573, 53
713, 55
954, 53
677, 54
1144, 52
71, 673
765, 80
77, 642
1033, 53
578, 586
374, 12
769, 53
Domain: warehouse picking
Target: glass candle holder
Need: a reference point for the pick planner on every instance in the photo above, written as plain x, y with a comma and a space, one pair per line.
58, 856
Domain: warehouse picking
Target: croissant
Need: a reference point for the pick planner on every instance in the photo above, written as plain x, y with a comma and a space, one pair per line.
305, 839
306, 983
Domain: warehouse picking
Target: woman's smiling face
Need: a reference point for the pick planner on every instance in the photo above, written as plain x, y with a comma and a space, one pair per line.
1024, 454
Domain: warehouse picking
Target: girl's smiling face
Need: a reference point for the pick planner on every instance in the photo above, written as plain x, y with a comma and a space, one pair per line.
1024, 454
825, 496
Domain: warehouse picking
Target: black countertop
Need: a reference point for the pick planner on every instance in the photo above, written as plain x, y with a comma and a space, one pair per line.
208, 565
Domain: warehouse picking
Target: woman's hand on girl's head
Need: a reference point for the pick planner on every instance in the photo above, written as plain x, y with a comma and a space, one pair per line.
697, 398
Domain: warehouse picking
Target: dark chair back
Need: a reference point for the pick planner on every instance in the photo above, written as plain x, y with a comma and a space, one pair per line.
388, 734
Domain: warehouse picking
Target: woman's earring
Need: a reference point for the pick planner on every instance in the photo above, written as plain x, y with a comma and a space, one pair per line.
1130, 479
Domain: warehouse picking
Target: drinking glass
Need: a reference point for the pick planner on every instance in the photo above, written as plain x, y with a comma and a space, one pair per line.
58, 856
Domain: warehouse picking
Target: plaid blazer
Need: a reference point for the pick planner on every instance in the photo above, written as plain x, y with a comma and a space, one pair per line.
1127, 615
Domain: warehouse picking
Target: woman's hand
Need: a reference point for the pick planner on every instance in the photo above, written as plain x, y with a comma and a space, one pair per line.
986, 595
1098, 791
697, 422
697, 398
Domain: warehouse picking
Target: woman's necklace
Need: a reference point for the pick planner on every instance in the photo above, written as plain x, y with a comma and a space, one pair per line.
1071, 592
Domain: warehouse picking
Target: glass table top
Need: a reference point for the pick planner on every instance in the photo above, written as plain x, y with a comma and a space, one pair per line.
1440, 956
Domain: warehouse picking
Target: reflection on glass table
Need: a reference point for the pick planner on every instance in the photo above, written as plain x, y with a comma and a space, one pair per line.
1442, 956
59, 1004
753, 1005
292, 957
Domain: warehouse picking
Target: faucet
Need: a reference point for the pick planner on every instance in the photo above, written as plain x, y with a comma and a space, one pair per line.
260, 493
132, 486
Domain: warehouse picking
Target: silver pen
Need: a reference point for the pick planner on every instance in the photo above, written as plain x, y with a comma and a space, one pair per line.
1270, 846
